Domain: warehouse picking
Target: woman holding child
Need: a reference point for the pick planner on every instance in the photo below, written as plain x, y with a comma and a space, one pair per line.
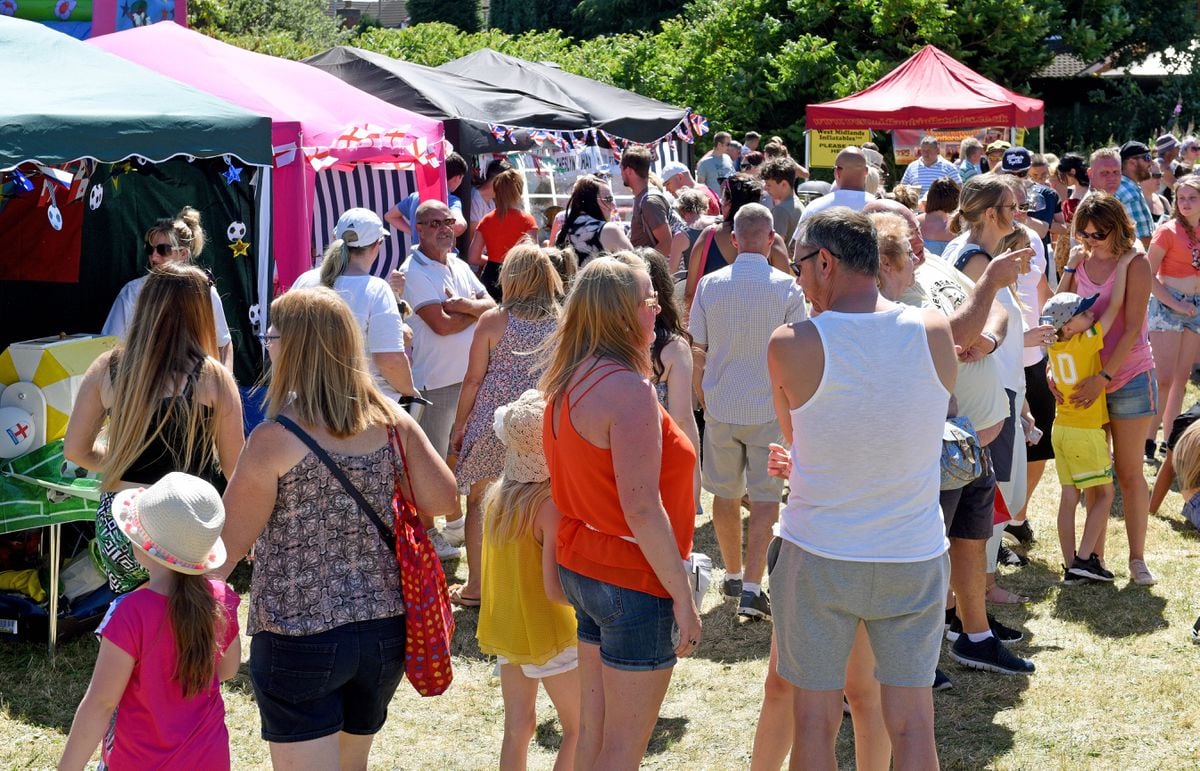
1106, 234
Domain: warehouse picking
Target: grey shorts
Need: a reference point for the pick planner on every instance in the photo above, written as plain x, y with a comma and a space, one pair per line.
818, 604
735, 460
437, 419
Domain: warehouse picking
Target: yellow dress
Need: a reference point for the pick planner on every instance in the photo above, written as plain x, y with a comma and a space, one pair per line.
516, 620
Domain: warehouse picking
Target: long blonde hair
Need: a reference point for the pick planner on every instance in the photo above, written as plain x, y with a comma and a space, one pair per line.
509, 189
529, 283
172, 330
510, 508
320, 367
600, 318
980, 193
337, 259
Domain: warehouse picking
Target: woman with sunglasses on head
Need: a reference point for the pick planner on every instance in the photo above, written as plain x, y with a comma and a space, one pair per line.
1175, 301
346, 268
169, 405
1106, 234
172, 239
327, 615
588, 225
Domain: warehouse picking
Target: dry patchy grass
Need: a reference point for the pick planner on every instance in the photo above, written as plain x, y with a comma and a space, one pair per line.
1112, 690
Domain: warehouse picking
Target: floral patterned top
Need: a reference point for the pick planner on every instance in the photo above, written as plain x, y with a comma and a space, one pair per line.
320, 562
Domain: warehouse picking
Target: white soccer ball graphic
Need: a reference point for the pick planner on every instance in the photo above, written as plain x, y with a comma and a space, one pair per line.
96, 197
55, 217
236, 230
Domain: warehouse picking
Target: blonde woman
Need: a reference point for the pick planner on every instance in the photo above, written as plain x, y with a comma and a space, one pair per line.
346, 267
501, 229
169, 405
500, 370
326, 585
172, 239
621, 474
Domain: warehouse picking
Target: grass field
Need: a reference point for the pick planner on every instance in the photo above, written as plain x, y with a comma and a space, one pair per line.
1113, 686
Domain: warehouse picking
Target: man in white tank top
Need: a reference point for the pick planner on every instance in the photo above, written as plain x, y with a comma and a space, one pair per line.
861, 392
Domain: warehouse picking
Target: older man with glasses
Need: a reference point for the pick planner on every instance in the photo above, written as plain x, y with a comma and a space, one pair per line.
1110, 171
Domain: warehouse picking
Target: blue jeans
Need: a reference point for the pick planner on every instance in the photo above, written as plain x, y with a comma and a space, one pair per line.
635, 631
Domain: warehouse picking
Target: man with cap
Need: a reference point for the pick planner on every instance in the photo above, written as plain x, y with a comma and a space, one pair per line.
1044, 205
675, 177
779, 181
1166, 147
994, 154
1135, 167
929, 166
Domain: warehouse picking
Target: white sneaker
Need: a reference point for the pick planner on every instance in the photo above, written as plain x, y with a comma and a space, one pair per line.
455, 532
444, 550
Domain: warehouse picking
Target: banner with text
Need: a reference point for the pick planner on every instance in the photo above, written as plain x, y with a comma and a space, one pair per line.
905, 142
825, 145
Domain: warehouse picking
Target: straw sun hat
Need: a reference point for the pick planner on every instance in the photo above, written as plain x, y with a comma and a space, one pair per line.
519, 426
176, 522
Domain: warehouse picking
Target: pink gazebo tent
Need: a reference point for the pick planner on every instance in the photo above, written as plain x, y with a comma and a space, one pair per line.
318, 122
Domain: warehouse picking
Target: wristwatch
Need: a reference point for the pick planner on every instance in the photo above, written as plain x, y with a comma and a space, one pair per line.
995, 342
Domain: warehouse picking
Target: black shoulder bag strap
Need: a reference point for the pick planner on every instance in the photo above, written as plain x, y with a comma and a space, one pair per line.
387, 535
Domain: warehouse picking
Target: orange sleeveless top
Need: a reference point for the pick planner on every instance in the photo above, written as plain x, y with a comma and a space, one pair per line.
584, 487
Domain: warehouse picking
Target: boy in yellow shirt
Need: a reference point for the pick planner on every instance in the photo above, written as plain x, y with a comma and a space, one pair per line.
1081, 453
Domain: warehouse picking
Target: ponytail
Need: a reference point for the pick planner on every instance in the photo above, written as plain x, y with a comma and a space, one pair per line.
191, 219
335, 262
195, 618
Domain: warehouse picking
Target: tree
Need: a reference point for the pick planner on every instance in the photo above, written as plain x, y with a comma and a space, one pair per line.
602, 17
464, 14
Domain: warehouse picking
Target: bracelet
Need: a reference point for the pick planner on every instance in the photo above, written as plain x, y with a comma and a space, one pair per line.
1068, 270
995, 342
1106, 376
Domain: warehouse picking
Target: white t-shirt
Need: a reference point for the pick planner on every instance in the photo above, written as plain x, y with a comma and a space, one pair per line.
373, 304
978, 390
121, 314
438, 360
1008, 356
851, 199
1027, 291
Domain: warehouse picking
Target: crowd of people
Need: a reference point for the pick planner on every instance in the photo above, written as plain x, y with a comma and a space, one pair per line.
801, 357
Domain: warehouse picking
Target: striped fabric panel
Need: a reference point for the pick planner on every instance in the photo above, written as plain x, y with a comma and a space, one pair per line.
372, 187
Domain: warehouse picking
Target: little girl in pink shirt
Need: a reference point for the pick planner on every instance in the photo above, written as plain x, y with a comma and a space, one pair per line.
155, 696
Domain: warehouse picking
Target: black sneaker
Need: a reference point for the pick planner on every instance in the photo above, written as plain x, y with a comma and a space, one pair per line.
989, 655
1162, 449
1004, 634
753, 605
1007, 556
1151, 451
1022, 532
941, 682
731, 588
1090, 568
1070, 579
1196, 632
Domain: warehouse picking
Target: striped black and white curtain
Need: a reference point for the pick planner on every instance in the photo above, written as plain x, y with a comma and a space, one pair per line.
373, 187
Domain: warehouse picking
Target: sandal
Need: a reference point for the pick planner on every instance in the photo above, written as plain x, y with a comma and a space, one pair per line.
457, 598
1000, 596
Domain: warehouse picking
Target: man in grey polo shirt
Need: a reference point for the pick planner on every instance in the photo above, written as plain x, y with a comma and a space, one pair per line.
733, 315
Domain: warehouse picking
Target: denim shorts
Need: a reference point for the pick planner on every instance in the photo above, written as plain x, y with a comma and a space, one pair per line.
635, 631
316, 685
1136, 399
1164, 319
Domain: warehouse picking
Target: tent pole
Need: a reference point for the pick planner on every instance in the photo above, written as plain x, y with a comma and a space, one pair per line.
1042, 139
265, 272
807, 149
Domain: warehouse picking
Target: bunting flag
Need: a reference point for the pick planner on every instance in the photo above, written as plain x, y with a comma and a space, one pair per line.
700, 123
397, 134
688, 128
352, 136
284, 154
499, 133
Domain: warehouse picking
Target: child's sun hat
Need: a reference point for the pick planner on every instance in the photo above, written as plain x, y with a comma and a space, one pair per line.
177, 522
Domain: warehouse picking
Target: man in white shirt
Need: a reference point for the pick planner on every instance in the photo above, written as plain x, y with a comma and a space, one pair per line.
850, 184
930, 166
733, 315
447, 300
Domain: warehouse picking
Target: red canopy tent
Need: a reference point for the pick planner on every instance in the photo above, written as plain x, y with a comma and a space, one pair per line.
929, 90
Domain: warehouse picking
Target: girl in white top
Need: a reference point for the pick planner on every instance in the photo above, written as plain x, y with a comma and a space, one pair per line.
172, 239
346, 268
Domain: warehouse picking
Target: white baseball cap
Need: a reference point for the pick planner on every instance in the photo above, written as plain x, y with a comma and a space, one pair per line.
360, 227
672, 170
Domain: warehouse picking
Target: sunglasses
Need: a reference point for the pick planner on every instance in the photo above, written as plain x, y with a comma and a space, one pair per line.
1099, 235
608, 198
266, 339
652, 302
1014, 206
162, 249
436, 224
795, 264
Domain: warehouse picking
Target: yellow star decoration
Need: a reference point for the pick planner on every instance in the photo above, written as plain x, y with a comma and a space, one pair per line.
240, 248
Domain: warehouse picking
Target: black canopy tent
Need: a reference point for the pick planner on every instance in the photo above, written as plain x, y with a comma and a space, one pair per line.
614, 110
466, 105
